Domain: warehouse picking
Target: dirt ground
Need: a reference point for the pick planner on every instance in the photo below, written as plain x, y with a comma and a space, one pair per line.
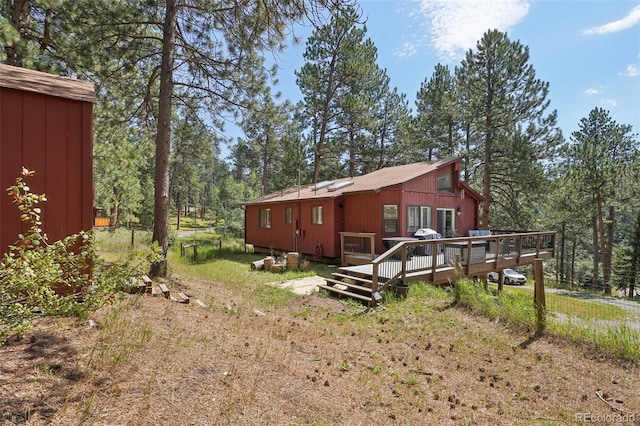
315, 360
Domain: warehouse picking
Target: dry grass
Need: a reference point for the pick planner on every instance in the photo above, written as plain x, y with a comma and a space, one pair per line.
312, 360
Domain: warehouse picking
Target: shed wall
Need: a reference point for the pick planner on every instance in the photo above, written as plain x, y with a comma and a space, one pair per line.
52, 136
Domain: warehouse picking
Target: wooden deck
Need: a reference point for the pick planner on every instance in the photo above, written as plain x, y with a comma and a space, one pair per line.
413, 261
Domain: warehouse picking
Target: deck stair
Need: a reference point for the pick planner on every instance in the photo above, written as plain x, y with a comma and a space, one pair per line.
343, 284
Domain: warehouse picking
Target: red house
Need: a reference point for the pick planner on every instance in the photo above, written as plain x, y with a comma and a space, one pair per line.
46, 126
390, 202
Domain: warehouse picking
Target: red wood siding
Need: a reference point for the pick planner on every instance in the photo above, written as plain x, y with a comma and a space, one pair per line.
282, 237
363, 213
52, 136
360, 212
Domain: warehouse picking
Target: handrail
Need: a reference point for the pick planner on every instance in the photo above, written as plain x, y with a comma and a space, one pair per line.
490, 248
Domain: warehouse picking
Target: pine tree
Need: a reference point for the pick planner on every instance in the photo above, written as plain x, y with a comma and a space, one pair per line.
506, 105
206, 50
437, 119
337, 58
603, 155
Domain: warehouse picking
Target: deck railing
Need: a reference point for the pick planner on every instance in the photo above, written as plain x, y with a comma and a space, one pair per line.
433, 260
357, 248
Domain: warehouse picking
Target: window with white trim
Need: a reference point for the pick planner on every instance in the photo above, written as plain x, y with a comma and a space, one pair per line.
265, 218
418, 217
390, 218
288, 215
317, 215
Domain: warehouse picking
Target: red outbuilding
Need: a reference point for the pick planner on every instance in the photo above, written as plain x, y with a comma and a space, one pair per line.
390, 202
46, 126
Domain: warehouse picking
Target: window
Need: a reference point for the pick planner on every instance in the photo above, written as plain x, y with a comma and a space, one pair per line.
418, 217
265, 218
288, 215
316, 215
425, 217
413, 218
445, 183
390, 218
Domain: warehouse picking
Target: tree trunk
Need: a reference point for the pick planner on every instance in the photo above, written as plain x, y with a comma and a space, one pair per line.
115, 210
179, 210
635, 256
265, 166
352, 154
319, 147
595, 279
486, 189
163, 140
603, 245
573, 263
467, 142
608, 257
562, 269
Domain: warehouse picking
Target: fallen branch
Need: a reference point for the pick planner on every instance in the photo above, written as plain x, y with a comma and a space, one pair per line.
613, 407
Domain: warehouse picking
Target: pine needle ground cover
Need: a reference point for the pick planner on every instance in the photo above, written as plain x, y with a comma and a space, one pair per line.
259, 355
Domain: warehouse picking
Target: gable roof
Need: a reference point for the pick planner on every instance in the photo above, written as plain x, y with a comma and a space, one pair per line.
371, 182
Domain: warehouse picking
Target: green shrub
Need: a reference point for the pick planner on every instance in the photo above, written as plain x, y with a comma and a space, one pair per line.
34, 271
60, 278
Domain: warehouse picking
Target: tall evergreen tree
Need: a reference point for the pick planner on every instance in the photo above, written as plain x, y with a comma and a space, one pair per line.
207, 48
264, 128
194, 149
359, 105
392, 132
332, 67
121, 155
509, 105
603, 155
437, 118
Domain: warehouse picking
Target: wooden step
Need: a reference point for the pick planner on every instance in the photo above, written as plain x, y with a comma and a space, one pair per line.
165, 290
367, 299
339, 276
332, 282
179, 297
148, 283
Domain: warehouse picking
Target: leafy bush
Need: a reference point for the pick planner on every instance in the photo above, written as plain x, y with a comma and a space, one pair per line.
38, 277
33, 269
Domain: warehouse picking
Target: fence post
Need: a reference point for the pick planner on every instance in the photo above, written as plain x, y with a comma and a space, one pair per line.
133, 233
539, 297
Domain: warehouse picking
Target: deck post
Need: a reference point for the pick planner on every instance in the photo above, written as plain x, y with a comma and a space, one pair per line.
469, 256
519, 248
404, 261
374, 278
539, 297
434, 262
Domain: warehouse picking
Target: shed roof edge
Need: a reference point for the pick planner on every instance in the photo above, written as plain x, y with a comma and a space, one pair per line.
12, 77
